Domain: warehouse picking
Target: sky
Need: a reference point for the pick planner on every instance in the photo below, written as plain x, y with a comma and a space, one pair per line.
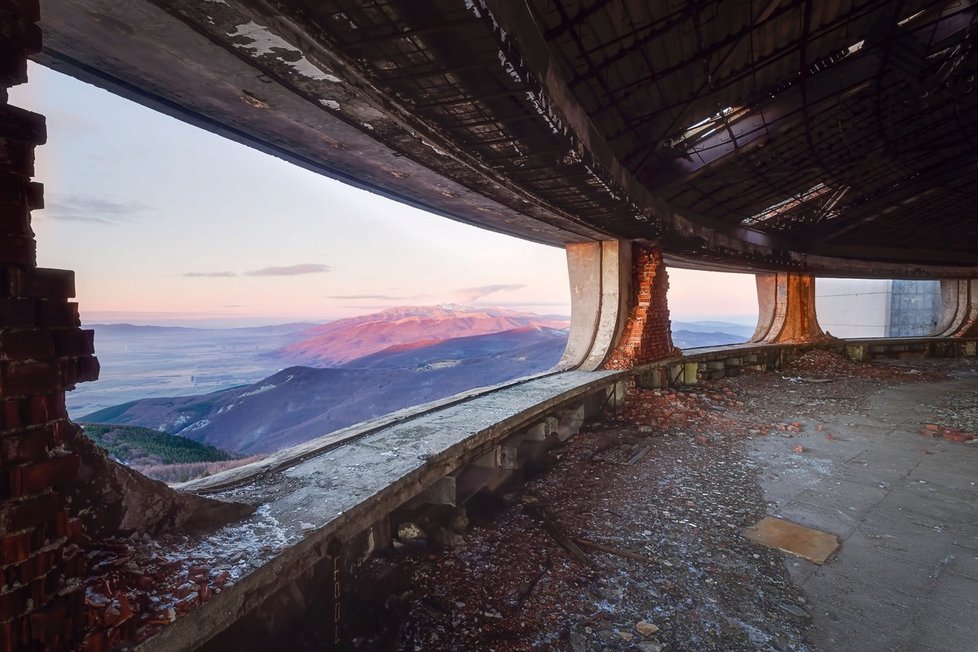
167, 223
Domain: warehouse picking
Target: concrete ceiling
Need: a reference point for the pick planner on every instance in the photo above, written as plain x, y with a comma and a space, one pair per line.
835, 137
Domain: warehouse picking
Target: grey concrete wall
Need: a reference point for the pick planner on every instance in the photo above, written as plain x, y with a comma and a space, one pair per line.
878, 308
853, 307
915, 308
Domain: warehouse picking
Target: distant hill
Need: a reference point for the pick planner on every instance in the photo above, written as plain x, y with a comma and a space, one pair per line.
722, 327
300, 403
141, 329
690, 339
341, 341
137, 446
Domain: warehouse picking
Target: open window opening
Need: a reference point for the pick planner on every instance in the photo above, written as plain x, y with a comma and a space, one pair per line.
242, 305
711, 308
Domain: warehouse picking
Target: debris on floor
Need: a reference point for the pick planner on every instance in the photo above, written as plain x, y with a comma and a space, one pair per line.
136, 586
634, 540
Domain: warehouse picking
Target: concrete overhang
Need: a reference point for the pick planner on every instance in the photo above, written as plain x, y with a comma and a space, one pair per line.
468, 110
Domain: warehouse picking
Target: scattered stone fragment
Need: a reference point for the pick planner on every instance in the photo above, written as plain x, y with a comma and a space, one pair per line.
645, 628
794, 610
409, 532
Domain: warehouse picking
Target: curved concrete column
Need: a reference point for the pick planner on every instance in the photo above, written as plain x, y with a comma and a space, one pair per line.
959, 316
599, 274
786, 309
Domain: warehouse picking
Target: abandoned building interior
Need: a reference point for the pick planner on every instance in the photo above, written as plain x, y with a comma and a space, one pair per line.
796, 492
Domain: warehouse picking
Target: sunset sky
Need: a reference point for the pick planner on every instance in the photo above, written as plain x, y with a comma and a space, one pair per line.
166, 223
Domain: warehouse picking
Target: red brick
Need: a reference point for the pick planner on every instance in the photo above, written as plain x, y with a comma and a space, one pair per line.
54, 313
29, 479
25, 378
16, 312
73, 342
28, 447
40, 283
21, 125
646, 335
7, 643
13, 186
954, 435
17, 156
77, 370
14, 602
64, 431
75, 530
15, 221
17, 251
15, 548
25, 344
35, 195
11, 414
39, 565
88, 368
29, 513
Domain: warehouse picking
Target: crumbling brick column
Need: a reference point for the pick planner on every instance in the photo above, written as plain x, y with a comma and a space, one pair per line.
786, 309
647, 334
959, 316
43, 352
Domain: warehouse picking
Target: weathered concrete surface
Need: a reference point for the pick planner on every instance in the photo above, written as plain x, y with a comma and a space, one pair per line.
601, 286
906, 509
584, 275
786, 309
959, 301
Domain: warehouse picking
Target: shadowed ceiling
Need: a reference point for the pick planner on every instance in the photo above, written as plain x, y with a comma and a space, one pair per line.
836, 137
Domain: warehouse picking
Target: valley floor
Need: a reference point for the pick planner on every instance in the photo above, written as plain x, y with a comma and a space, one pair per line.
634, 540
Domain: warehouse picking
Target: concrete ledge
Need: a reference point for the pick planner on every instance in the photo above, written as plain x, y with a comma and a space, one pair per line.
336, 493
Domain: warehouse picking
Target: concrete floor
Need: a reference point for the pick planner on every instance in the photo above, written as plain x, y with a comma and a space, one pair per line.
906, 575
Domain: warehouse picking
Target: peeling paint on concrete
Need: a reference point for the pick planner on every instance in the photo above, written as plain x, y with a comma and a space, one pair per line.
433, 148
264, 42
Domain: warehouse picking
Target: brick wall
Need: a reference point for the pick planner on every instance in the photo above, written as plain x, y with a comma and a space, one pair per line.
43, 352
647, 335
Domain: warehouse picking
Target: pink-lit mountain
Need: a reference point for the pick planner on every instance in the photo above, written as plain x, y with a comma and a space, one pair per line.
341, 341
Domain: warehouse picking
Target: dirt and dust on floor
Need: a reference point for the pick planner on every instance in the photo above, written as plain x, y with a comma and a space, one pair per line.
633, 539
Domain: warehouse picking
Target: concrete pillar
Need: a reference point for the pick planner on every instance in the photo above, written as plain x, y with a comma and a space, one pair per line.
959, 308
619, 313
646, 335
599, 274
786, 309
43, 352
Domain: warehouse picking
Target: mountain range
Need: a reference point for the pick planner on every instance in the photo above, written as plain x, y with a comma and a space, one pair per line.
337, 374
341, 341
299, 403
